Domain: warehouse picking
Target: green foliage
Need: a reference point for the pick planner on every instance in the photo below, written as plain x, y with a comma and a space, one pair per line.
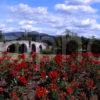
95, 47
1, 36
46, 51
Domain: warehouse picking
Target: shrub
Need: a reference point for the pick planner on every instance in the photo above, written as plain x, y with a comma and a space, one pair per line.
72, 46
95, 47
46, 52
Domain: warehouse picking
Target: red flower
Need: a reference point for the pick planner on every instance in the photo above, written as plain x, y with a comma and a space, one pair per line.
82, 62
62, 95
33, 54
23, 64
96, 54
74, 84
14, 95
65, 76
89, 83
36, 67
13, 73
87, 54
97, 62
26, 71
53, 74
22, 80
74, 67
83, 94
58, 59
72, 98
18, 67
69, 59
69, 90
53, 87
42, 64
45, 59
41, 91
1, 89
74, 54
43, 75
5, 52
22, 56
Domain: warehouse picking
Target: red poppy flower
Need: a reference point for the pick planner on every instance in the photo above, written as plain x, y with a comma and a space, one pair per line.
74, 67
74, 84
18, 67
72, 98
36, 67
33, 54
14, 95
42, 64
23, 64
69, 90
53, 87
53, 74
1, 89
97, 62
22, 56
65, 76
41, 91
22, 80
43, 75
82, 62
62, 95
58, 59
89, 83
13, 73
45, 59
5, 52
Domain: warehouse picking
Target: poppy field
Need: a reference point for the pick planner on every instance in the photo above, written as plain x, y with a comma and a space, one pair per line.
62, 77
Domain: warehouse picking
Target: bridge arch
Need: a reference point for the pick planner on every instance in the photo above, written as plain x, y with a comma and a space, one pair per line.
33, 49
11, 48
23, 48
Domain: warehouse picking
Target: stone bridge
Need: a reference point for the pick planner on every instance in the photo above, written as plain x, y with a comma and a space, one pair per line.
22, 46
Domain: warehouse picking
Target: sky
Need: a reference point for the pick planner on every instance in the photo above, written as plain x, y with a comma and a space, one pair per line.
51, 16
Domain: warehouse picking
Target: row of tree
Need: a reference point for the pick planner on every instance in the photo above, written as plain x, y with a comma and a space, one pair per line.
73, 43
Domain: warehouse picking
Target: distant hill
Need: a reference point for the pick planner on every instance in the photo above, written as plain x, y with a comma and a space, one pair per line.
34, 35
23, 35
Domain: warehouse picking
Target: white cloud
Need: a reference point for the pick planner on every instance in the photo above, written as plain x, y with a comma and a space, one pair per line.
26, 9
81, 2
85, 23
76, 15
2, 26
9, 20
27, 22
82, 16
96, 27
75, 8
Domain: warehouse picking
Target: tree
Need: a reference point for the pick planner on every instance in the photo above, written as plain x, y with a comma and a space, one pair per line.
95, 47
62, 40
85, 42
58, 44
1, 36
72, 47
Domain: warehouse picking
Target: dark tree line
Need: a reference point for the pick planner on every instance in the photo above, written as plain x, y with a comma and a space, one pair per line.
86, 45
